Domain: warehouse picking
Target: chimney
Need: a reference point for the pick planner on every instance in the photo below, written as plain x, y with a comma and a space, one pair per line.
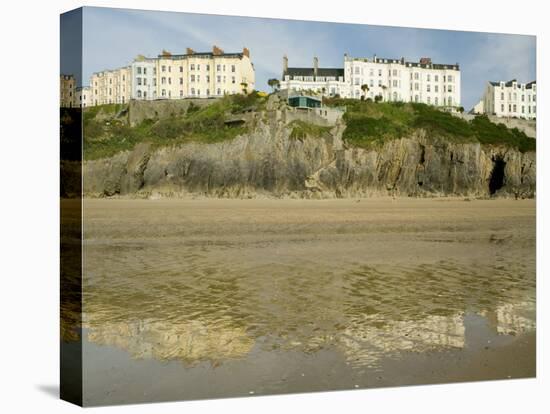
246, 52
374, 58
166, 53
425, 61
216, 51
189, 51
315, 65
285, 64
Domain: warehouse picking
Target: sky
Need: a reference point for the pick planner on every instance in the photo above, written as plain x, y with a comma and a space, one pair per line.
114, 37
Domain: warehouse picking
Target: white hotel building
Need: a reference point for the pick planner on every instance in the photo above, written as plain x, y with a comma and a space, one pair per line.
391, 79
509, 99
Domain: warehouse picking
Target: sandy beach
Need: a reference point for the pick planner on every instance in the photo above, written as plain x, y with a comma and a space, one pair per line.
187, 299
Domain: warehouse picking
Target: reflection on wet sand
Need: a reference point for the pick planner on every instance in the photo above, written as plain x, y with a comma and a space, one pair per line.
222, 280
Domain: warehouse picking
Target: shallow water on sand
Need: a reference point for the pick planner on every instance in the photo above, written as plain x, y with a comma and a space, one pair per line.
268, 296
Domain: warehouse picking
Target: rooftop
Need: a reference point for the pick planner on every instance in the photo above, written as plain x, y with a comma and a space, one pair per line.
336, 72
511, 82
424, 62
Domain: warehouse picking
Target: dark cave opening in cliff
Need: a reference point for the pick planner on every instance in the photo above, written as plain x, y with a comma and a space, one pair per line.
497, 175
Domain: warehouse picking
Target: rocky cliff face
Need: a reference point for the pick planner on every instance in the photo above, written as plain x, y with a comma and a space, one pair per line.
269, 162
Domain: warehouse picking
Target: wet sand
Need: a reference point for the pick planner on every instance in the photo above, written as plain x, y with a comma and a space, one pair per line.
189, 299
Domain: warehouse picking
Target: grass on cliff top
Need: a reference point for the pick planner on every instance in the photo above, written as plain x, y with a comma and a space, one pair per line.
104, 136
301, 130
371, 124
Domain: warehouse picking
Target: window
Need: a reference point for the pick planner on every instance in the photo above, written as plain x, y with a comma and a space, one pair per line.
181, 93
357, 70
123, 78
163, 80
371, 83
232, 79
110, 91
395, 72
429, 100
139, 81
169, 81
233, 68
207, 92
416, 86
198, 78
138, 94
145, 81
379, 72
145, 71
395, 83
515, 96
224, 68
163, 93
416, 75
219, 79
198, 91
436, 88
208, 67
436, 100
192, 66
450, 100
449, 78
416, 98
522, 98
192, 91
428, 88
138, 71
144, 94
154, 81
502, 96
198, 66
192, 78
395, 96
356, 81
163, 69
219, 91
207, 78
502, 108
181, 81
218, 68
379, 82
449, 88
428, 77
371, 72
515, 108
436, 78
522, 109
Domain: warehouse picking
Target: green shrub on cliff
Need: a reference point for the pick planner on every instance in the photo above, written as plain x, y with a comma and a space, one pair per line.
301, 129
105, 134
369, 123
